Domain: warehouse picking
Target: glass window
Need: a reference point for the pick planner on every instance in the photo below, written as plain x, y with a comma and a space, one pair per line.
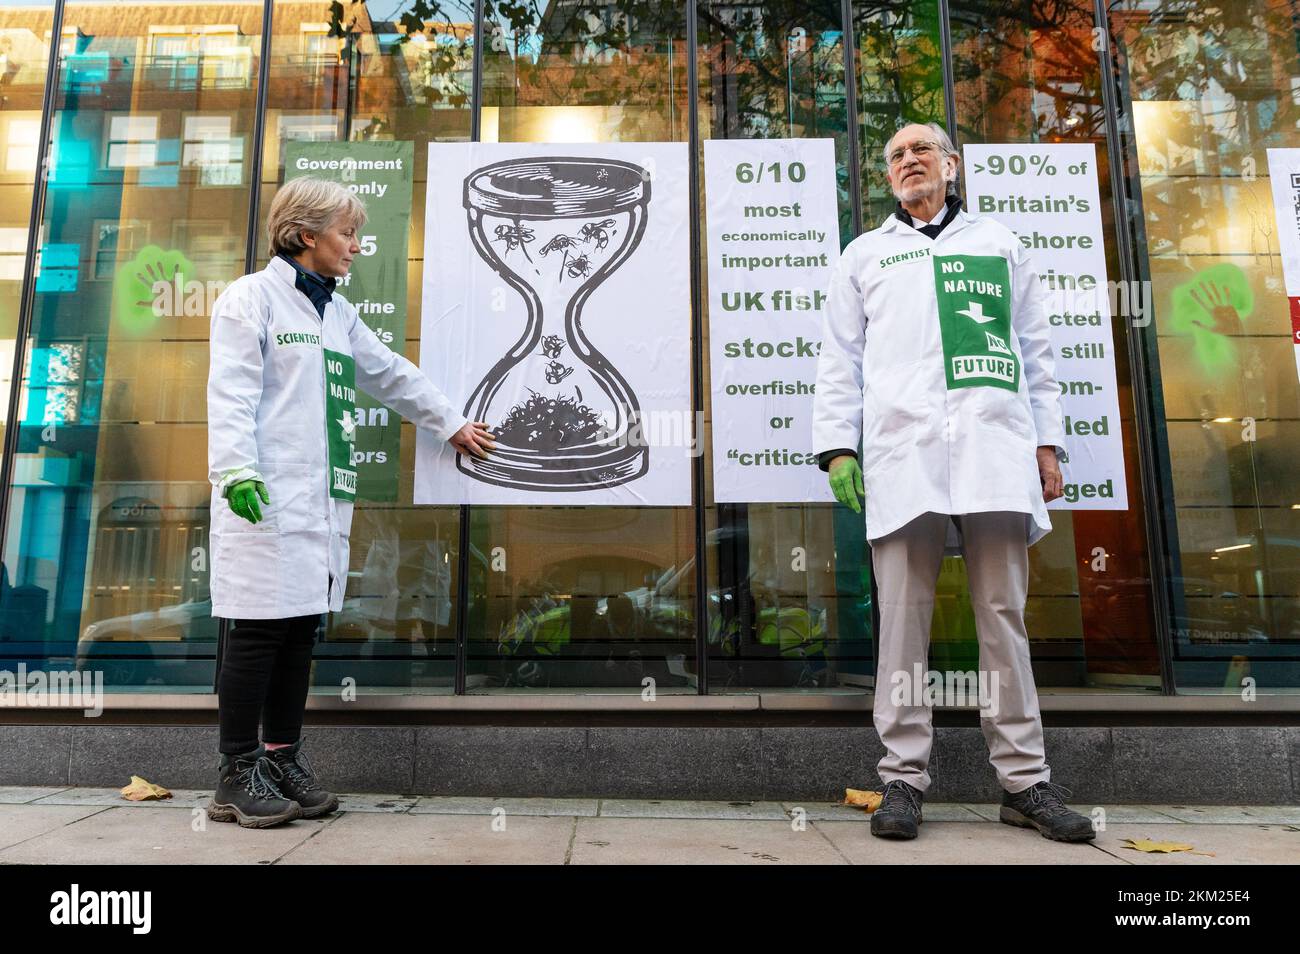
590, 596
26, 29
1209, 90
900, 80
788, 601
132, 141
116, 241
20, 140
105, 551
148, 172
339, 76
1023, 78
207, 144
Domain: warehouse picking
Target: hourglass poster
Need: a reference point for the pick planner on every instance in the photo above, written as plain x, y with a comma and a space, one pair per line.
556, 309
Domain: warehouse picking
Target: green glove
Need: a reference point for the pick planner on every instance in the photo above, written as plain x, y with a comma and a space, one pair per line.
243, 499
846, 483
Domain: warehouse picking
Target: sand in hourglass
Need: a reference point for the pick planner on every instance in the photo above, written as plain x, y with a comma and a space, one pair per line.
554, 229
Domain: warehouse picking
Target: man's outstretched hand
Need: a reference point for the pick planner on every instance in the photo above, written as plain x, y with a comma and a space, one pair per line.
846, 482
243, 498
474, 439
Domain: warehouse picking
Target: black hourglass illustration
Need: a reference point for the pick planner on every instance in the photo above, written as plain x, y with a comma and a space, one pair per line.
554, 229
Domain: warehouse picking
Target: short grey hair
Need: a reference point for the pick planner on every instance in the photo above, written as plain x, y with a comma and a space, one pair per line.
309, 204
945, 146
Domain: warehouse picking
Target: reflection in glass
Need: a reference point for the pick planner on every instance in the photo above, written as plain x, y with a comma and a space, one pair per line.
339, 74
24, 59
581, 596
144, 216
1035, 77
1210, 89
789, 598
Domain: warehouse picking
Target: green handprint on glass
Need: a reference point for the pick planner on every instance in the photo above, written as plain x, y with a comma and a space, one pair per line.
151, 286
1212, 308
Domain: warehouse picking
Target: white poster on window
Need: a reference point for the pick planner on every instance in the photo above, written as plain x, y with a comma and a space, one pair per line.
1284, 174
1047, 194
773, 240
556, 308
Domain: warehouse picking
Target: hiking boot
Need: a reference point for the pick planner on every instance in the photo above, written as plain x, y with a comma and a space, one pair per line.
300, 783
248, 792
899, 813
1042, 806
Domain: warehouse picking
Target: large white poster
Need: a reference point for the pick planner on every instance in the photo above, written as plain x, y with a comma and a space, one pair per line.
773, 240
557, 310
1047, 194
1284, 176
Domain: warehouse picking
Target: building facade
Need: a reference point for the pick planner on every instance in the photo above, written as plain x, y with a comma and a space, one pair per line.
135, 136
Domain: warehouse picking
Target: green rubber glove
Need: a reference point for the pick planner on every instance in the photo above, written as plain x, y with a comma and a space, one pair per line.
846, 483
243, 499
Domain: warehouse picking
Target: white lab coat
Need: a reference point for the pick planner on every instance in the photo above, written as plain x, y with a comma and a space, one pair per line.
881, 380
266, 421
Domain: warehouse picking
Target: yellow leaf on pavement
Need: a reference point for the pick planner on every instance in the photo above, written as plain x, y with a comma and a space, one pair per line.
857, 798
1155, 847
141, 790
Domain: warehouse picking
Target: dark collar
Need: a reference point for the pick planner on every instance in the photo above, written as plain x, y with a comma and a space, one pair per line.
318, 289
952, 202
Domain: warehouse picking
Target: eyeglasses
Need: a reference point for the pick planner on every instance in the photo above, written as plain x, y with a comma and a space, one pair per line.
920, 150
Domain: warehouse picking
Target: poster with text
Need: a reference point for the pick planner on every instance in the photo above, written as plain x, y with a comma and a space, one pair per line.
1047, 194
1284, 176
773, 240
379, 173
557, 310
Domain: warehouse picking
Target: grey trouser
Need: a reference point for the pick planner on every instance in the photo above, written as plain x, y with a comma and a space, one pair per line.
906, 565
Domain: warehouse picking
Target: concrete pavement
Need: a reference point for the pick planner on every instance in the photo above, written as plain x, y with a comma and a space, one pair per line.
96, 826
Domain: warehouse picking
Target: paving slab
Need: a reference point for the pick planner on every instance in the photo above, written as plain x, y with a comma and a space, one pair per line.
1229, 844
21, 794
112, 798
672, 841
153, 835
371, 839
835, 811
956, 843
673, 808
18, 823
456, 805
1236, 814
1152, 814
384, 804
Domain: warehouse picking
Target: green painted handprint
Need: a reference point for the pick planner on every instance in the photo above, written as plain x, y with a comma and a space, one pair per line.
150, 286
1212, 308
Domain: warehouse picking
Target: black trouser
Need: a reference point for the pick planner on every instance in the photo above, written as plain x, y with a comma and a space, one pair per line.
265, 674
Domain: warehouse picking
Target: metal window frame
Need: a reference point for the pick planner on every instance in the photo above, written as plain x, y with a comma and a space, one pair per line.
463, 527
694, 146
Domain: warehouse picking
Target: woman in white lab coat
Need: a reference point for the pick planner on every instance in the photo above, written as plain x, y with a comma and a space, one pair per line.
287, 356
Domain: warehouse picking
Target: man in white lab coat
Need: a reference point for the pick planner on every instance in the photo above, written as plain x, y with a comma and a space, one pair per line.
936, 360
288, 354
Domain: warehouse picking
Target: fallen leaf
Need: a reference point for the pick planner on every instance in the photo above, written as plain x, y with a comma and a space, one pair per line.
1154, 847
857, 798
141, 790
